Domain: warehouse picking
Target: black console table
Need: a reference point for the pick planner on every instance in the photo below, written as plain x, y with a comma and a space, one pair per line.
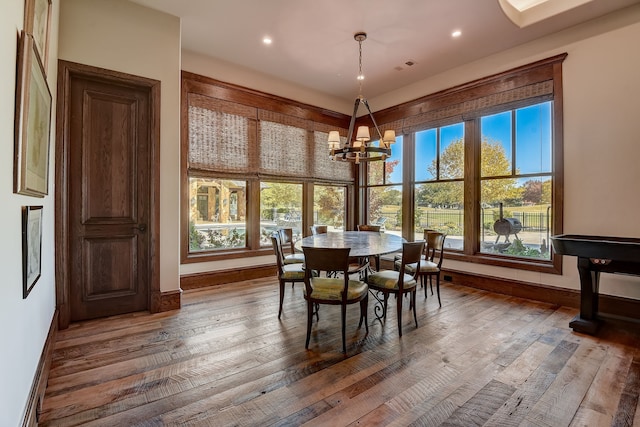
596, 254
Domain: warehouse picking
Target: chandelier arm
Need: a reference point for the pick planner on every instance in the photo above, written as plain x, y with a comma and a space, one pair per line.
375, 125
352, 123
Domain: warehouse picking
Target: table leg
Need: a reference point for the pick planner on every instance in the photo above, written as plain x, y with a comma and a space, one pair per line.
587, 321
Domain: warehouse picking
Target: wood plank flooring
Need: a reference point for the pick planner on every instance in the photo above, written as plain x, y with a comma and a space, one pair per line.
225, 359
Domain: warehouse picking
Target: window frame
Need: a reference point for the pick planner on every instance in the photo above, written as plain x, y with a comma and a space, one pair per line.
467, 103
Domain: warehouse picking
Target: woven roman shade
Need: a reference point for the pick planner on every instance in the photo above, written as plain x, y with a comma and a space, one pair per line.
229, 137
283, 150
324, 167
218, 141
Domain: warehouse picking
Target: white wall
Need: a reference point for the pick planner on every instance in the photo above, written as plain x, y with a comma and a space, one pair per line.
230, 73
25, 322
601, 128
123, 36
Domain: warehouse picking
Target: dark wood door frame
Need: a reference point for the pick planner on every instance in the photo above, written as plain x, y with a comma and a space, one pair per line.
66, 70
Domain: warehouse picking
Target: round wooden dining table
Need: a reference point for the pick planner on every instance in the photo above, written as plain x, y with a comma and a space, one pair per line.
362, 243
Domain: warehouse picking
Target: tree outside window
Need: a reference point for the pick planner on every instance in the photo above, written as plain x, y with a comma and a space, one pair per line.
280, 207
329, 206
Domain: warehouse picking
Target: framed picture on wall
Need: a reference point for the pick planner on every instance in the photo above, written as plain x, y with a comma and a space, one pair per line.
31, 247
33, 122
37, 21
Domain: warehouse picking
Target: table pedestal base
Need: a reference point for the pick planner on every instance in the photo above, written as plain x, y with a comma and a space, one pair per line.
380, 306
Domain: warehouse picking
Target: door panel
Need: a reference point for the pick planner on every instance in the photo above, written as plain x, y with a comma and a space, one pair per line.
109, 198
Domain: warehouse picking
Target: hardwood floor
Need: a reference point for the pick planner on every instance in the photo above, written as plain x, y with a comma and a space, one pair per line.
225, 359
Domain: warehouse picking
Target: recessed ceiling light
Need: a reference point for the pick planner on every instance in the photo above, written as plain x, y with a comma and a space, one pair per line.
267, 40
456, 33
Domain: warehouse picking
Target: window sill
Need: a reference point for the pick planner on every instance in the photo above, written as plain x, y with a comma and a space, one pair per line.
549, 267
222, 254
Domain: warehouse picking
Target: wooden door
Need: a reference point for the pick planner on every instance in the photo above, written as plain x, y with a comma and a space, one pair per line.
108, 164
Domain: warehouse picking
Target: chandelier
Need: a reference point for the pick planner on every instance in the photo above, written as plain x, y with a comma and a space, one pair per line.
361, 149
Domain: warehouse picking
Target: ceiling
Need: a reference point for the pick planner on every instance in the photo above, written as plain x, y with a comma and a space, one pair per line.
313, 42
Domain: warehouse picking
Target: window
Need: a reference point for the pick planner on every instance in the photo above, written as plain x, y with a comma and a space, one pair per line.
439, 187
515, 183
483, 164
251, 168
383, 190
329, 206
280, 206
217, 214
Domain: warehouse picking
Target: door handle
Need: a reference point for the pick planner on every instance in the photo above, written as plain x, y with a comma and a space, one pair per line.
140, 227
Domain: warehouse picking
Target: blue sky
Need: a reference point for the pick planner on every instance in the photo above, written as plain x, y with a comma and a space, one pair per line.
533, 141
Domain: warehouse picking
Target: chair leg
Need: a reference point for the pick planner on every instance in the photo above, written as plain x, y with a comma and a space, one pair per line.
365, 302
438, 289
309, 320
413, 301
364, 308
423, 280
399, 315
384, 308
344, 333
281, 297
431, 283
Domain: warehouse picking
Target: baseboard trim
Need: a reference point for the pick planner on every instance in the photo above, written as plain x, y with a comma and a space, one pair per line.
166, 301
220, 277
609, 305
41, 376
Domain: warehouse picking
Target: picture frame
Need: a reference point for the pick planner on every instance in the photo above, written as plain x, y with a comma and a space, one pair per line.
37, 22
33, 122
31, 247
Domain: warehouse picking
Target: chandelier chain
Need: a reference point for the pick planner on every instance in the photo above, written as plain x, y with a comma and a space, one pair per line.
360, 75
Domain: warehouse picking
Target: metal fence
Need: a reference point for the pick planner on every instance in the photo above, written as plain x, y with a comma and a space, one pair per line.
454, 219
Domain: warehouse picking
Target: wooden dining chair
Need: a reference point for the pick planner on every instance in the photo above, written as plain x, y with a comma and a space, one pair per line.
398, 283
341, 290
286, 238
318, 229
434, 255
286, 272
431, 264
368, 227
398, 257
375, 229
